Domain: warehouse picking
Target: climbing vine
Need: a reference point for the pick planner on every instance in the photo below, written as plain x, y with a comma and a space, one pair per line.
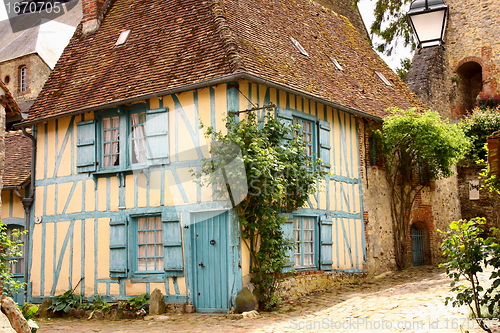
276, 177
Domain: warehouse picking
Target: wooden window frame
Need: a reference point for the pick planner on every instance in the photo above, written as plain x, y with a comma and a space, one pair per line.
301, 243
23, 79
137, 243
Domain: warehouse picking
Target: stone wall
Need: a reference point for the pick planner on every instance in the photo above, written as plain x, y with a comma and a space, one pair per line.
301, 284
466, 73
488, 204
437, 205
473, 34
376, 204
444, 205
427, 78
37, 72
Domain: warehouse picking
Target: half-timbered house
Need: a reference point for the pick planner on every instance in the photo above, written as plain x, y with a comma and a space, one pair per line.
117, 129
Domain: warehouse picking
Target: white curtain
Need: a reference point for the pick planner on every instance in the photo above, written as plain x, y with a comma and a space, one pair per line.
139, 137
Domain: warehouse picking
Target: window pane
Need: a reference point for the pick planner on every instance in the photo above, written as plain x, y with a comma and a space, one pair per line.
151, 223
150, 244
304, 242
138, 137
141, 265
111, 138
159, 264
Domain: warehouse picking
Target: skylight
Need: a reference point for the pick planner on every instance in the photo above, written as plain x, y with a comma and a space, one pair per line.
299, 47
383, 78
337, 64
122, 38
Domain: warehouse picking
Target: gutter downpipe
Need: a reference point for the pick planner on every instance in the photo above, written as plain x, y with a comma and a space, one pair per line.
27, 203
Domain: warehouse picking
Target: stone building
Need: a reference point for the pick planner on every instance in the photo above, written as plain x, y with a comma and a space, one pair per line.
30, 51
465, 74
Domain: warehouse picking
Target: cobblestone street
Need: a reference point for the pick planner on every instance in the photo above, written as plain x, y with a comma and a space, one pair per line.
408, 301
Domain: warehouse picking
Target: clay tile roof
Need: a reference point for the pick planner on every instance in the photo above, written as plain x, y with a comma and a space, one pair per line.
177, 43
17, 166
12, 109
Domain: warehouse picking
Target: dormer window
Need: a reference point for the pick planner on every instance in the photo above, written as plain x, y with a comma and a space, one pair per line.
383, 78
336, 64
122, 38
299, 47
23, 82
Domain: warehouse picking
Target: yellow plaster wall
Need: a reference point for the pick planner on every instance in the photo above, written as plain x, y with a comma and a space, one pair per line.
90, 195
64, 152
74, 201
51, 199
63, 191
89, 257
49, 257
39, 202
12, 205
40, 152
50, 163
35, 272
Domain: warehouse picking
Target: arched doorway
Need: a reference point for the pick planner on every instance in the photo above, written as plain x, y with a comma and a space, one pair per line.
417, 237
470, 84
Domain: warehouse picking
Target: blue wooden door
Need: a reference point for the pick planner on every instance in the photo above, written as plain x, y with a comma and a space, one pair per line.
211, 261
417, 246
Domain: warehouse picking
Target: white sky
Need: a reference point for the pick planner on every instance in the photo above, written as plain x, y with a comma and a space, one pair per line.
3, 12
366, 9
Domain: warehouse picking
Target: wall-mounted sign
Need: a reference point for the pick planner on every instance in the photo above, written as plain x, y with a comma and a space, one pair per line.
474, 189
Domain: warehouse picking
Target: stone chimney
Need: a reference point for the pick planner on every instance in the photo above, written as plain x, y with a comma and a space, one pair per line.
93, 13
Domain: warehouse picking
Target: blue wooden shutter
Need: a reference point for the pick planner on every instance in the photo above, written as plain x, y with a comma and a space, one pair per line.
172, 245
326, 242
86, 147
286, 117
118, 253
157, 136
324, 144
288, 234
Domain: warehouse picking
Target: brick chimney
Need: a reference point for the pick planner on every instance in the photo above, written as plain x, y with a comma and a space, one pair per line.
93, 13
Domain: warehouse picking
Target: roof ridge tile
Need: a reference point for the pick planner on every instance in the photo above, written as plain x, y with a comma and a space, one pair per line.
226, 34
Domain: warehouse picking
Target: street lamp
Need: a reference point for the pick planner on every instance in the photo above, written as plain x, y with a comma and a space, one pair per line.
428, 20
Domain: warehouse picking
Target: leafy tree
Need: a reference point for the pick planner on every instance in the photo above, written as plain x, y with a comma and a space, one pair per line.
403, 70
416, 146
390, 24
10, 248
478, 125
467, 252
279, 177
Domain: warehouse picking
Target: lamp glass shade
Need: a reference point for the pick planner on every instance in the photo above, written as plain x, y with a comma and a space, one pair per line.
428, 22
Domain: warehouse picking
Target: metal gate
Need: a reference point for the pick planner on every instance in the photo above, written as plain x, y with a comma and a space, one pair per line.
417, 246
211, 261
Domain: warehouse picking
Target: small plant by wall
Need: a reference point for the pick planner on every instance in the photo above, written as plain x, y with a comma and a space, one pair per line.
468, 252
10, 248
